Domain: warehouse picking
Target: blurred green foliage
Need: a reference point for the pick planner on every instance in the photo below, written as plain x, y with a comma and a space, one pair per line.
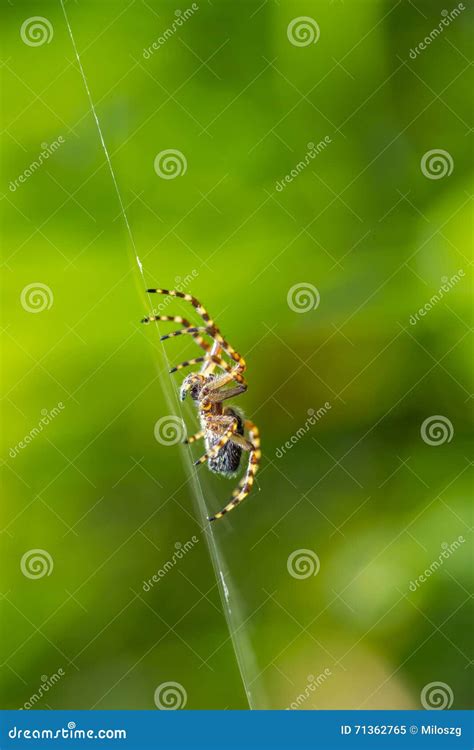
364, 225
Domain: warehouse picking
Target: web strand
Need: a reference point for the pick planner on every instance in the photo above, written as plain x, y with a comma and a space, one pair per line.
244, 654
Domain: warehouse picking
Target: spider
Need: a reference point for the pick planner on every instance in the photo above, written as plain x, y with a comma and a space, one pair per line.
222, 427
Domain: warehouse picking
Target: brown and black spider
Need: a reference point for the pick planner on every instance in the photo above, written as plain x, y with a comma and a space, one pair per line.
222, 427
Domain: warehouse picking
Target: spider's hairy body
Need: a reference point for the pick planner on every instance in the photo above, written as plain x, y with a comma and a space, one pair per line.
227, 460
222, 427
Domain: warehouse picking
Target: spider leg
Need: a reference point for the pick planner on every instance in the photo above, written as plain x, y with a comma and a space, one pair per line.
216, 360
209, 367
256, 443
216, 337
188, 298
213, 329
178, 319
189, 362
170, 318
220, 443
193, 438
189, 329
252, 468
213, 391
243, 443
217, 396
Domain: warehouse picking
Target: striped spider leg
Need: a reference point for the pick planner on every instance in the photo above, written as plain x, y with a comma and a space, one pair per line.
211, 330
222, 427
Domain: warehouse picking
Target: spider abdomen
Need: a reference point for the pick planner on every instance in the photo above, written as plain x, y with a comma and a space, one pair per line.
228, 458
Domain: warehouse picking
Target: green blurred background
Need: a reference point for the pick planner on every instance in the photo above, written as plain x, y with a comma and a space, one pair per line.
365, 226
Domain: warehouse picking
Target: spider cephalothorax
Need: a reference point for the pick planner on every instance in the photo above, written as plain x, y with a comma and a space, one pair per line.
223, 428
193, 384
